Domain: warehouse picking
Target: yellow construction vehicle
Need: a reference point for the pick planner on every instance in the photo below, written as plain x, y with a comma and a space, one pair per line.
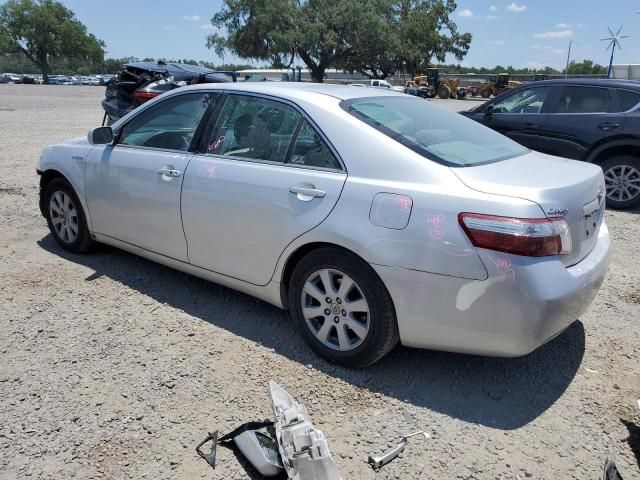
496, 84
443, 87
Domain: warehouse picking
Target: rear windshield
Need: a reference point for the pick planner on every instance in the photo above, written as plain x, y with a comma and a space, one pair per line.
434, 132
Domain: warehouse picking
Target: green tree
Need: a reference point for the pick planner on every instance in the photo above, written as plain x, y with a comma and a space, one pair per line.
427, 33
374, 43
375, 37
586, 67
45, 30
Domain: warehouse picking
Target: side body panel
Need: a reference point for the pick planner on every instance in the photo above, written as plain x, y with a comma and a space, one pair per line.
240, 215
130, 200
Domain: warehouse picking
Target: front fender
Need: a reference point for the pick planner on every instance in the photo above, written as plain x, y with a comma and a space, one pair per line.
68, 160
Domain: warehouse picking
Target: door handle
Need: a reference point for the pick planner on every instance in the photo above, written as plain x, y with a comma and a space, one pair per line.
531, 125
169, 172
306, 194
608, 126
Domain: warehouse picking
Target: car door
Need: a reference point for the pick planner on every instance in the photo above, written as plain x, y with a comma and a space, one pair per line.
519, 115
583, 116
133, 186
264, 175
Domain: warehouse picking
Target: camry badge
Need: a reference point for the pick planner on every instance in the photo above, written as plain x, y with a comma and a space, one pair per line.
557, 212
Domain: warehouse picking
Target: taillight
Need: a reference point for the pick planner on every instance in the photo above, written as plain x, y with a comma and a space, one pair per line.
532, 237
145, 95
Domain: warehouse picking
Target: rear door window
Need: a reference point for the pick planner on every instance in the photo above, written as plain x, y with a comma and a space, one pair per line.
628, 99
310, 150
254, 127
584, 100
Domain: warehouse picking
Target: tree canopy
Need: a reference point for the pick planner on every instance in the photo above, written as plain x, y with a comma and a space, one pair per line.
586, 67
45, 30
374, 37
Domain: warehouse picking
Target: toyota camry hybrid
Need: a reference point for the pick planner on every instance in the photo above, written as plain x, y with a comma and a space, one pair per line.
372, 216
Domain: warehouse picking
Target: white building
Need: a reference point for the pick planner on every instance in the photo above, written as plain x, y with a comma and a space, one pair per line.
626, 72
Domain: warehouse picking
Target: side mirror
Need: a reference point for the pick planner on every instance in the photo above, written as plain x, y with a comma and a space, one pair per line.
100, 136
488, 112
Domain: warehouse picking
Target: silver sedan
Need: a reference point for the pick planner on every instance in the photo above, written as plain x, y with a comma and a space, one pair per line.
372, 216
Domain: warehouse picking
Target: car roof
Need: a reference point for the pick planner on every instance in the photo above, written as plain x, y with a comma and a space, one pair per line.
298, 90
593, 82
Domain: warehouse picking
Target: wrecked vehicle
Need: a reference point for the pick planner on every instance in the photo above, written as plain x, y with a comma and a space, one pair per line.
142, 81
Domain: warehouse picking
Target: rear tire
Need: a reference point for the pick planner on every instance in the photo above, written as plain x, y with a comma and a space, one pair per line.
65, 217
374, 333
622, 181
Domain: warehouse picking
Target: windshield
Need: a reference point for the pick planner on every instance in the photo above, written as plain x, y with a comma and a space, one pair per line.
433, 132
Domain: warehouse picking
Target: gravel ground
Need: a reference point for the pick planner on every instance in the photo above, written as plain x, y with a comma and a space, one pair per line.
112, 366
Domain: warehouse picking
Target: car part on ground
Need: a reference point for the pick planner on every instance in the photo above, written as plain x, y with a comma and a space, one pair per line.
261, 450
303, 448
142, 81
252, 439
377, 462
209, 457
611, 471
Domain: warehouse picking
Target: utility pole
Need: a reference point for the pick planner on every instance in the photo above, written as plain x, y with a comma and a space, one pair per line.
566, 70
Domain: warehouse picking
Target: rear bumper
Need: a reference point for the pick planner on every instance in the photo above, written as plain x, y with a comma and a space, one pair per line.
523, 304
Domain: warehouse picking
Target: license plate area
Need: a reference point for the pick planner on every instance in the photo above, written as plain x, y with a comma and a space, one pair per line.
591, 222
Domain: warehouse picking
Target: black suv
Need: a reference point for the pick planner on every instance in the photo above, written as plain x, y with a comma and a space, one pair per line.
592, 120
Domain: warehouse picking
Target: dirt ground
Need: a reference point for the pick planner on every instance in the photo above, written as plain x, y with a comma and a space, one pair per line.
114, 367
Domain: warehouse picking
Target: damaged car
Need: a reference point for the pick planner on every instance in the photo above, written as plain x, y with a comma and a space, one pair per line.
373, 216
142, 81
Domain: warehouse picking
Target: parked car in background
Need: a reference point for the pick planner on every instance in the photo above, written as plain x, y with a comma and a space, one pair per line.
142, 81
596, 121
372, 84
371, 215
13, 77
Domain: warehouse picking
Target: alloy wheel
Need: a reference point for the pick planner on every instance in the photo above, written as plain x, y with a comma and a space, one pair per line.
64, 216
335, 309
622, 183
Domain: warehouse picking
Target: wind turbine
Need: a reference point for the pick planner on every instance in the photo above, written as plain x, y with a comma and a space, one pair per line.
614, 40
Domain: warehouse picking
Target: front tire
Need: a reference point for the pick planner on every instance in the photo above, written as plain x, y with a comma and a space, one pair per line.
444, 92
622, 181
341, 308
65, 217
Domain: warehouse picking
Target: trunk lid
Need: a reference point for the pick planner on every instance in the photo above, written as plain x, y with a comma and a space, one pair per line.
563, 188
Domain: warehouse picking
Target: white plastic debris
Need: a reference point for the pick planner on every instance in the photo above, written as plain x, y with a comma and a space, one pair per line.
303, 448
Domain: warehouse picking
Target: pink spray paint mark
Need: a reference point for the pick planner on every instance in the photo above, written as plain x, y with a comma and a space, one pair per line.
435, 219
436, 232
405, 203
216, 144
505, 272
